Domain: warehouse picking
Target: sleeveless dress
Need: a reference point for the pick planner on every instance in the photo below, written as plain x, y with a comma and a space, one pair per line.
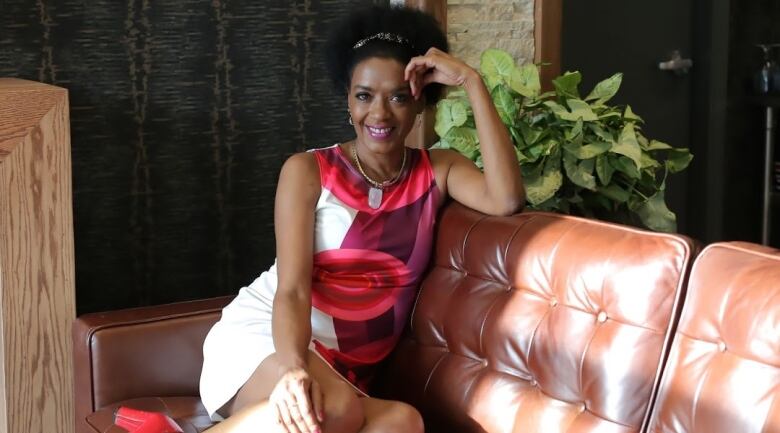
367, 267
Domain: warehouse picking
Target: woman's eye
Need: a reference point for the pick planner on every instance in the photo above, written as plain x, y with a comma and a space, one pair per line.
362, 96
400, 98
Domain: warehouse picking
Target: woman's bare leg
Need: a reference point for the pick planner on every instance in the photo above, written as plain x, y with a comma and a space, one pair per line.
387, 416
249, 410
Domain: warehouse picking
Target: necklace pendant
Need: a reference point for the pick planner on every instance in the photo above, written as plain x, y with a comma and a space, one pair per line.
374, 198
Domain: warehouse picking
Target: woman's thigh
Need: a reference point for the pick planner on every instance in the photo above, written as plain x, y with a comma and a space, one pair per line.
343, 409
387, 416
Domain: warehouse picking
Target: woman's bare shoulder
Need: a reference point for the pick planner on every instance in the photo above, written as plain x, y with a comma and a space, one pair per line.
301, 172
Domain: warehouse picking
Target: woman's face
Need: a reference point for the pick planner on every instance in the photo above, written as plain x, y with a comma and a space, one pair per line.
381, 103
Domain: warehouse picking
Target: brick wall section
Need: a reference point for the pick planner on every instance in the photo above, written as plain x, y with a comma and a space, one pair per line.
475, 25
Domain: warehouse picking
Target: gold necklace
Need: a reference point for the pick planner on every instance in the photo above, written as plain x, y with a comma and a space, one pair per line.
375, 192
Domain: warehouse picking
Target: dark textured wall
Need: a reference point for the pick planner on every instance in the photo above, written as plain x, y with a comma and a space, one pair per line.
752, 22
182, 113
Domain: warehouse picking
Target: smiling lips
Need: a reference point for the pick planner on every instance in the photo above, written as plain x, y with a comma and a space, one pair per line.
379, 133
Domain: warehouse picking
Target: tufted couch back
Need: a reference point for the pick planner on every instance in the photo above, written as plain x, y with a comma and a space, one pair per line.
723, 373
536, 323
540, 323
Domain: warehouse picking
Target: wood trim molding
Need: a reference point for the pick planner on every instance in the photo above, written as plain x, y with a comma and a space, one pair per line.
37, 296
547, 38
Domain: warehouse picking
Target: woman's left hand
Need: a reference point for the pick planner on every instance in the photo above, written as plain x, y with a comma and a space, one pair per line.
436, 66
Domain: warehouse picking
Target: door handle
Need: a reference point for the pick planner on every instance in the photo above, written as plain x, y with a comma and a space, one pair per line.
676, 64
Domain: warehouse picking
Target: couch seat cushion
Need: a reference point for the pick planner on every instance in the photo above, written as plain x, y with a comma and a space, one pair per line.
188, 412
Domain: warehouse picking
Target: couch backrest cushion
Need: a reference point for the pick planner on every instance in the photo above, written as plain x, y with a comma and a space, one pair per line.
540, 323
723, 374
144, 352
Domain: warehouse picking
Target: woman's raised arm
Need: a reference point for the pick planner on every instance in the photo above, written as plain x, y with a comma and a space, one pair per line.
499, 190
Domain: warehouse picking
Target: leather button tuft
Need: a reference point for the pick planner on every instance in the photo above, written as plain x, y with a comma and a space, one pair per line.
602, 317
582, 407
534, 383
484, 362
553, 301
721, 346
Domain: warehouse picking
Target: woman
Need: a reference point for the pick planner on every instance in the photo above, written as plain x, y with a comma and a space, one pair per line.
354, 227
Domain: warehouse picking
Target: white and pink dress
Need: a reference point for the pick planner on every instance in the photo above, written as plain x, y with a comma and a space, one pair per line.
366, 270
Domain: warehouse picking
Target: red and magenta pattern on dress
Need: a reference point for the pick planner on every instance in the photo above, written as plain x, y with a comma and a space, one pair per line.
368, 262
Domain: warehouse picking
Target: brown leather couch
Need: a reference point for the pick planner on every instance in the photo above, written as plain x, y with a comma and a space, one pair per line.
531, 323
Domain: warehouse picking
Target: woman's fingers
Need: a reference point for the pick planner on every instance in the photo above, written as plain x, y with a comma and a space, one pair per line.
287, 420
304, 413
436, 67
298, 423
317, 401
415, 79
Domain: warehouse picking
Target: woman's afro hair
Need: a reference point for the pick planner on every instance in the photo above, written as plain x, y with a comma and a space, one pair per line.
420, 29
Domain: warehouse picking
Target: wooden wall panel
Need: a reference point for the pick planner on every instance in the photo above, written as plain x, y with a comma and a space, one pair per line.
547, 39
37, 293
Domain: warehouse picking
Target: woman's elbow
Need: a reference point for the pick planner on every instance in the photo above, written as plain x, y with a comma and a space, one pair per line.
509, 205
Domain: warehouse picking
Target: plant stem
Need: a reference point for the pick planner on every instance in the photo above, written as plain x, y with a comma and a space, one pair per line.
631, 188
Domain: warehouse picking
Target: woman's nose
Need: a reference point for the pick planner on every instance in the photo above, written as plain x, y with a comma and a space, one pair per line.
379, 109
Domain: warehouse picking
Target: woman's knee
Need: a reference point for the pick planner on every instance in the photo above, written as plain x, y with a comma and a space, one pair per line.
406, 419
343, 411
386, 416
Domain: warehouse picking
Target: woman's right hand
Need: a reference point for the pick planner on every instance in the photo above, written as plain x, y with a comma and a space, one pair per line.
297, 398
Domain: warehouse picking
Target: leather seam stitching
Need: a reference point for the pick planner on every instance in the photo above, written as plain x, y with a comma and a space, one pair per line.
433, 370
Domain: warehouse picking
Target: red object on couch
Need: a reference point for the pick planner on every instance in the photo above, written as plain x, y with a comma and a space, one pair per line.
139, 421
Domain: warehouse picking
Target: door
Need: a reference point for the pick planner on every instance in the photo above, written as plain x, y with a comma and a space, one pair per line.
601, 37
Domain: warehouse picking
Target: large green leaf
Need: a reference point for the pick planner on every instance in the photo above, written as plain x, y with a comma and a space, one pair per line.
625, 166
449, 114
525, 81
648, 162
655, 215
601, 132
559, 110
658, 145
678, 159
615, 193
574, 132
505, 104
604, 169
630, 115
443, 117
566, 85
628, 145
553, 204
517, 137
606, 89
542, 148
532, 169
530, 135
465, 140
608, 114
460, 113
587, 151
520, 157
579, 173
542, 187
581, 110
497, 66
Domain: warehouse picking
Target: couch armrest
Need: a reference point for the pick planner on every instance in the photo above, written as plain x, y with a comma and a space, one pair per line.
140, 352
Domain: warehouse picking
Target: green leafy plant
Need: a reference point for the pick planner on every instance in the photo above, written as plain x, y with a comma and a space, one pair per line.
578, 155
